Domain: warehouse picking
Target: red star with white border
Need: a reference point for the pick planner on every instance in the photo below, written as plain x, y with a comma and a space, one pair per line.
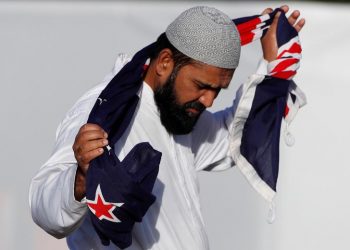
101, 208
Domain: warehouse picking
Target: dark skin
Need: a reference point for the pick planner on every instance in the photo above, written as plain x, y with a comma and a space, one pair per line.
200, 82
196, 81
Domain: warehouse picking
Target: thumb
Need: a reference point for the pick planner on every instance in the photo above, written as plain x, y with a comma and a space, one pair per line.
273, 26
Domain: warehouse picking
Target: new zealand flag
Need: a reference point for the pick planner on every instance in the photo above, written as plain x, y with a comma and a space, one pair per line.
265, 101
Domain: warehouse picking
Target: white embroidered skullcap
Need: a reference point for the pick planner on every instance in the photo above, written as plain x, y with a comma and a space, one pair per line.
206, 35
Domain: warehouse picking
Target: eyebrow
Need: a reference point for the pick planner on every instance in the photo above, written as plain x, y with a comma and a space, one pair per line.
209, 85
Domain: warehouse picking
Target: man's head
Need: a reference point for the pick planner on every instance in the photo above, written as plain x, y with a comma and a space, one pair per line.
196, 58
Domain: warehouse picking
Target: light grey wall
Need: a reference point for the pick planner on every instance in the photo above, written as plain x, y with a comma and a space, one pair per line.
52, 52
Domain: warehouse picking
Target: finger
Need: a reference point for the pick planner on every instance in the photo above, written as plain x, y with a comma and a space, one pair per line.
91, 135
293, 17
85, 159
285, 8
84, 137
90, 126
267, 11
300, 24
91, 145
273, 26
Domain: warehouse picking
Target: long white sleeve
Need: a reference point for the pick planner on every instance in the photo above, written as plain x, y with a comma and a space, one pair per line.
51, 194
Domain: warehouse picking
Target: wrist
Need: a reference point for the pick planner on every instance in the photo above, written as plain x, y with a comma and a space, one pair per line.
79, 184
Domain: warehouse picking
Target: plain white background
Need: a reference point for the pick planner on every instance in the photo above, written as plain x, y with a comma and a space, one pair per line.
52, 52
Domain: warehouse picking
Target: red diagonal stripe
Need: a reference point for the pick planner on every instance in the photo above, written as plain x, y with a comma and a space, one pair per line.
284, 64
295, 48
284, 74
247, 38
248, 26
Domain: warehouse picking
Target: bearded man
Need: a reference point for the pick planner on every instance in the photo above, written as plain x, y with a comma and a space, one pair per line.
189, 65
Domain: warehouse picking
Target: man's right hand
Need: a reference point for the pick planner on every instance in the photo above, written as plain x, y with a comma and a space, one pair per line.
88, 145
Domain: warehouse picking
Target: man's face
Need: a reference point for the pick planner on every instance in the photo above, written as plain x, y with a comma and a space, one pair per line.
187, 93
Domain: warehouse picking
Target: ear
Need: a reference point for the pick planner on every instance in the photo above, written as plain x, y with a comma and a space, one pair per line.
164, 65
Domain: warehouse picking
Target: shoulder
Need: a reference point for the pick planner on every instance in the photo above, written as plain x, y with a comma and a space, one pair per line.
79, 112
87, 100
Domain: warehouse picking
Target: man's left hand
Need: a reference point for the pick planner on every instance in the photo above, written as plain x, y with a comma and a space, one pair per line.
269, 41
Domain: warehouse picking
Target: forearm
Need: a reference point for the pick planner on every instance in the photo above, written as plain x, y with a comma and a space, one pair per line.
79, 184
51, 196
52, 201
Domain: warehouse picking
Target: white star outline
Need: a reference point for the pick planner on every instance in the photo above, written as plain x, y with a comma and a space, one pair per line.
99, 193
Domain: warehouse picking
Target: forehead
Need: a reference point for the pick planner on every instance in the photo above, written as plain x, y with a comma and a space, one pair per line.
209, 75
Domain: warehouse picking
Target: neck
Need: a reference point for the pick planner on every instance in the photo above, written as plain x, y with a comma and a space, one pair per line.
151, 77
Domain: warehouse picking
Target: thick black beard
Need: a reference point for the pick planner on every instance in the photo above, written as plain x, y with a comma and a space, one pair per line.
173, 116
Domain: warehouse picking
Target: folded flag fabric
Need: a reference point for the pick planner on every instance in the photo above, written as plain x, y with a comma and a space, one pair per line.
119, 193
265, 101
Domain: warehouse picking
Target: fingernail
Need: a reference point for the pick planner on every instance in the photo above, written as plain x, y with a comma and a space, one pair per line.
100, 150
105, 135
105, 142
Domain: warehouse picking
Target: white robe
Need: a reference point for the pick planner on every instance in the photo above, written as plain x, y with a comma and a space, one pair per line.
174, 221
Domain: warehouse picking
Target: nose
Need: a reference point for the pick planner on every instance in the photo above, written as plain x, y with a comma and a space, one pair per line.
207, 98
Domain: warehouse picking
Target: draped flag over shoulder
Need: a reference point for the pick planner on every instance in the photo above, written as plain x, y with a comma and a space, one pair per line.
119, 193
265, 101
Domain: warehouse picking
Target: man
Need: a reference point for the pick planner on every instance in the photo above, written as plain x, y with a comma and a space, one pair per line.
186, 73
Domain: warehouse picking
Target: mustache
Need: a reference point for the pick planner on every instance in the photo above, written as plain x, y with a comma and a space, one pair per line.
195, 105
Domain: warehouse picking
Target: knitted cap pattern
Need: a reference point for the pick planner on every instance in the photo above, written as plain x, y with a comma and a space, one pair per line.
206, 35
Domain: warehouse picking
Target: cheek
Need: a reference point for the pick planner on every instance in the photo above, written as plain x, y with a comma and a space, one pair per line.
186, 91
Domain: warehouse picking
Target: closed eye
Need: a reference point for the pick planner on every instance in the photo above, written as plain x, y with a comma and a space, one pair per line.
201, 86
